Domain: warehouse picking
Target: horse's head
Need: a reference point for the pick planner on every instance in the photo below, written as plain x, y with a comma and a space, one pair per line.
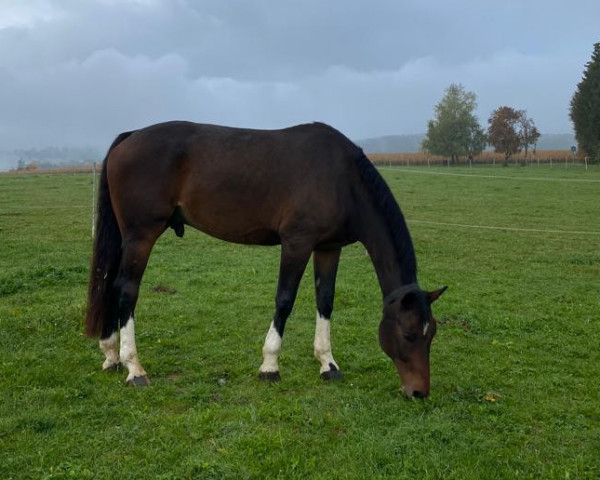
405, 335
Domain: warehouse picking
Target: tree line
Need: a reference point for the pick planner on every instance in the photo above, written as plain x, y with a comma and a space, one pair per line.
455, 130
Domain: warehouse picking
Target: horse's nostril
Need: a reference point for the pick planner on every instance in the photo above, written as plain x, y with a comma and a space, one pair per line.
418, 394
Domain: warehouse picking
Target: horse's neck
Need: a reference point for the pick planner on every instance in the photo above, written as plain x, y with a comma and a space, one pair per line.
378, 241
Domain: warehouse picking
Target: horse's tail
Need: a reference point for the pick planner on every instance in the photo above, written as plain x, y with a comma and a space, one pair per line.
106, 257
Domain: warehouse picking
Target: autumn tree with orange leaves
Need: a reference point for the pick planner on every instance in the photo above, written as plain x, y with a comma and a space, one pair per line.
510, 131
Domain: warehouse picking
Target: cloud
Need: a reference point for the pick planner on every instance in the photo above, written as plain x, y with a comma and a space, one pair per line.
82, 102
77, 73
26, 13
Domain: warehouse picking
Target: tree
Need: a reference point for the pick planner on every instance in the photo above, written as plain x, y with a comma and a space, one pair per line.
455, 130
585, 107
510, 131
529, 133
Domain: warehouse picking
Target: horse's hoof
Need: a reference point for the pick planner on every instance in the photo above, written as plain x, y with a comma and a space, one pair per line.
113, 367
332, 375
269, 376
141, 381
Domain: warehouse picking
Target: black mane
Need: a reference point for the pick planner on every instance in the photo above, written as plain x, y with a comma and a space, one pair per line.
388, 207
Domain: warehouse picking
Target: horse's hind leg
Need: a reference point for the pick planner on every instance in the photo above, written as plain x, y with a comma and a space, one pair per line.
134, 258
109, 340
109, 345
291, 269
325, 268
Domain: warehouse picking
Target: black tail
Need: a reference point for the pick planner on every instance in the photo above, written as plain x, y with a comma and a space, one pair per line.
106, 257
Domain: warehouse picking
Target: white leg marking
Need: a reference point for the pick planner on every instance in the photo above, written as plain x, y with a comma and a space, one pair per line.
323, 344
129, 355
109, 347
271, 350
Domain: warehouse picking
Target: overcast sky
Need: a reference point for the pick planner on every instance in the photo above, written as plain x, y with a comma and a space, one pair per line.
76, 73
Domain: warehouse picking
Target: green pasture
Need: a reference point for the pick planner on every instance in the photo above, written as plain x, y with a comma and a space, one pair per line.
515, 363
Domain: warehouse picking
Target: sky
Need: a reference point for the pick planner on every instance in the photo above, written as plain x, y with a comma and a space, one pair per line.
76, 73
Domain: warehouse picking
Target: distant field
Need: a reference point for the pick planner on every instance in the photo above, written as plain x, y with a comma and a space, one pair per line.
555, 157
515, 364
541, 157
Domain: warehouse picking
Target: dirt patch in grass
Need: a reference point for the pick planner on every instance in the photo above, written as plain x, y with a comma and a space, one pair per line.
163, 289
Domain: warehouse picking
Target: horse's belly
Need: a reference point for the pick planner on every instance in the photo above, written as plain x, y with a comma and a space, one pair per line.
237, 226
253, 237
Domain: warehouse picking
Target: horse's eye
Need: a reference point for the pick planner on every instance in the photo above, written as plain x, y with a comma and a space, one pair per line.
410, 336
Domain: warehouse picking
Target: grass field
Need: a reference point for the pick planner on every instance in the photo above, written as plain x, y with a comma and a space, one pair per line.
515, 364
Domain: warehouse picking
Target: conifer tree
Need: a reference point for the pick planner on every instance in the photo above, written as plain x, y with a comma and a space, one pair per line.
585, 107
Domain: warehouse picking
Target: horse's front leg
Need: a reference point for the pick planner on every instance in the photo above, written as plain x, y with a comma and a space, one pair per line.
325, 268
291, 269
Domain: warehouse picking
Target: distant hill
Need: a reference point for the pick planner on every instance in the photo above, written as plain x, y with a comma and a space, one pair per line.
392, 144
50, 157
412, 143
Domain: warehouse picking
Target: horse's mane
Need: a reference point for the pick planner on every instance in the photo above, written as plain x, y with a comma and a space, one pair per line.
386, 204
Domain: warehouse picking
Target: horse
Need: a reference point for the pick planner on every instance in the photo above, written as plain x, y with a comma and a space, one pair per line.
307, 188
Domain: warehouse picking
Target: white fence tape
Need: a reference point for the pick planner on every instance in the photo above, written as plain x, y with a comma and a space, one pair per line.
510, 229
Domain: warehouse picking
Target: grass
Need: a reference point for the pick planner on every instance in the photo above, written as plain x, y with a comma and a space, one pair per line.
515, 364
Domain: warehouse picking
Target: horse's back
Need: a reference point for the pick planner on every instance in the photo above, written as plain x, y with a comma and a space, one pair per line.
241, 185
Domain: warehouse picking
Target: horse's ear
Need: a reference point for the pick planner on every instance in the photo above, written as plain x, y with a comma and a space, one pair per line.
433, 296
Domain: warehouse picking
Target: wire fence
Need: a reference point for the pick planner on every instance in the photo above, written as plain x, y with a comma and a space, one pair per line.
421, 171
92, 169
505, 229
551, 158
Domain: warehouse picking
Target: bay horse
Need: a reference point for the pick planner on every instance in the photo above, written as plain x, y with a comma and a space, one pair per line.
307, 188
